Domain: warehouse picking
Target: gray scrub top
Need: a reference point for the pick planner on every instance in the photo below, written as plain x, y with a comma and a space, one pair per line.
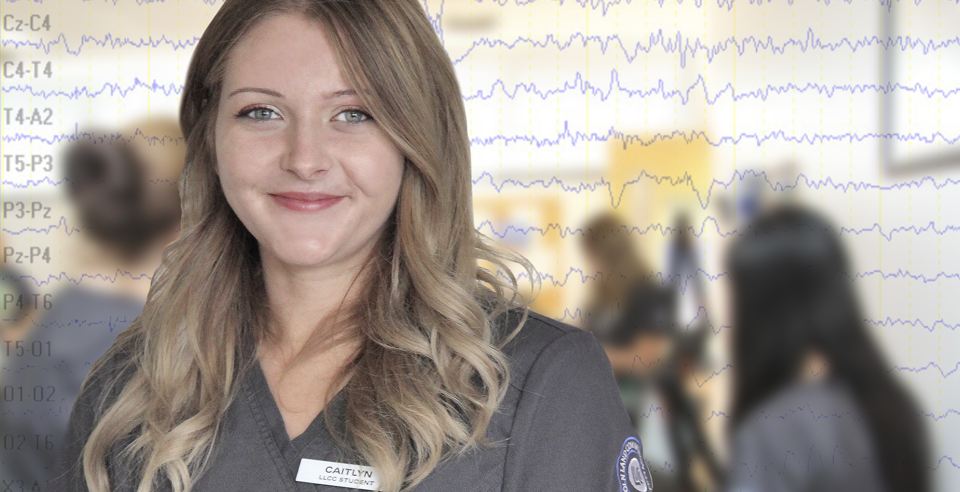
807, 437
561, 427
77, 330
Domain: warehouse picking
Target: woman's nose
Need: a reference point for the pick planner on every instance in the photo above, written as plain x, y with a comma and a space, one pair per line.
308, 153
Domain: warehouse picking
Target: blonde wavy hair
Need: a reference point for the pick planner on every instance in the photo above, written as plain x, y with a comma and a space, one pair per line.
431, 362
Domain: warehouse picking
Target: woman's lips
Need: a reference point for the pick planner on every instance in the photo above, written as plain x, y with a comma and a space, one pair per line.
305, 202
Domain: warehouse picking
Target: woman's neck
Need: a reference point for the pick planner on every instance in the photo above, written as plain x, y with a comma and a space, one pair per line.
814, 367
306, 304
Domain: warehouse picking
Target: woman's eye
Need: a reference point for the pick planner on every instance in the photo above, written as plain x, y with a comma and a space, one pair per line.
353, 116
260, 114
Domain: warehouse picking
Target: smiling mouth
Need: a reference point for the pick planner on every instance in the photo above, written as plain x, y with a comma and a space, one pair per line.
305, 202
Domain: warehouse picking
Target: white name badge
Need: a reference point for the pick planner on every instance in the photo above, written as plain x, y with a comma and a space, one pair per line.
338, 474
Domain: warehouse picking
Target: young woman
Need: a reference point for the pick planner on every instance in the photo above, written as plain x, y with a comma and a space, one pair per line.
815, 405
322, 322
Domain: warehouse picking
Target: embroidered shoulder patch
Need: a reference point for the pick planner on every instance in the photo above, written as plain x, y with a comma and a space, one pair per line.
632, 471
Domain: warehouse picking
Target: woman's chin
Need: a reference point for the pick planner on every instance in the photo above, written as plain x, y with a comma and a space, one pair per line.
300, 257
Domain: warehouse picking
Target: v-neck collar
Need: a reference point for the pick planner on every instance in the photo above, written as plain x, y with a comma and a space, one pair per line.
272, 426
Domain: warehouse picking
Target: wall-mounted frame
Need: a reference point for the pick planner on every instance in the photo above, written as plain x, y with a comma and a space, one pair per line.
920, 86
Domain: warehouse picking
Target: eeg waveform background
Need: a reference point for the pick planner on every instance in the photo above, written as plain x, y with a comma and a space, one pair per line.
648, 108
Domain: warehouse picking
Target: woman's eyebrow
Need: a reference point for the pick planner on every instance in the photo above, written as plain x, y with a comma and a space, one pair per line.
256, 89
343, 93
329, 95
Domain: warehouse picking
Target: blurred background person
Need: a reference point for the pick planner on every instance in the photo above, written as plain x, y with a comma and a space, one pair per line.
18, 297
624, 288
634, 315
128, 208
128, 205
815, 407
684, 268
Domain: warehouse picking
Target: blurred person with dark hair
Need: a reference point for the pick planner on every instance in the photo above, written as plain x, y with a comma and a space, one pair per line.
105, 183
125, 192
814, 406
127, 203
159, 143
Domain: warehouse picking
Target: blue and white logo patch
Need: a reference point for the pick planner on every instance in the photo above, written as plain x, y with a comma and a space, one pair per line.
631, 469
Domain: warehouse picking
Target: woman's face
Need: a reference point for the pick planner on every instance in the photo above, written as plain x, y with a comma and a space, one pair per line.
306, 169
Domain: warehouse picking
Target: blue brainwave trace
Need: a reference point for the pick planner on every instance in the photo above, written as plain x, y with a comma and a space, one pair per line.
684, 280
78, 279
664, 230
565, 232
575, 137
605, 5
930, 366
704, 195
105, 41
929, 326
658, 42
578, 84
97, 138
107, 89
679, 44
702, 318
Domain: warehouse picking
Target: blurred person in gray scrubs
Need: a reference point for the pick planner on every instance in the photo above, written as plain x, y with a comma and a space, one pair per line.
128, 208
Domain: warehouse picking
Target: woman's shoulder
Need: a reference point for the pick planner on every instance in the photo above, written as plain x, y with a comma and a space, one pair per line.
568, 429
106, 377
101, 386
114, 366
547, 345
537, 329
